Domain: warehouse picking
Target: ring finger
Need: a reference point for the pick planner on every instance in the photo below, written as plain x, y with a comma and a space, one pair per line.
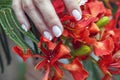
35, 16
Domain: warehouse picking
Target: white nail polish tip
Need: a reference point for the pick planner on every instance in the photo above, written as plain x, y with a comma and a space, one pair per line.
24, 27
82, 2
76, 14
56, 30
47, 35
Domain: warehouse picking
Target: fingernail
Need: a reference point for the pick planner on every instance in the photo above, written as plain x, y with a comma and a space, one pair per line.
76, 14
24, 27
56, 30
47, 35
82, 2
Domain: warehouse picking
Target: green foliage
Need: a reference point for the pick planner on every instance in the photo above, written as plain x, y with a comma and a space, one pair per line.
12, 29
94, 71
3, 40
9, 26
5, 46
1, 64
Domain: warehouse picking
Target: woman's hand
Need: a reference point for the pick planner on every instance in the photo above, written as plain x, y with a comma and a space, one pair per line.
43, 15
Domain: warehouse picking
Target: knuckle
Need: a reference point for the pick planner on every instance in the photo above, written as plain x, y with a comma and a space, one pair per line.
53, 21
14, 6
40, 23
49, 16
38, 1
28, 7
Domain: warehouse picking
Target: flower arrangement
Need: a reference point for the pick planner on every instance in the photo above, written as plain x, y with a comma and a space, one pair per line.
95, 37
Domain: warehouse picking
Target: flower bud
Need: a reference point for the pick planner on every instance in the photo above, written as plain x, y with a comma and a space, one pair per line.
83, 50
103, 21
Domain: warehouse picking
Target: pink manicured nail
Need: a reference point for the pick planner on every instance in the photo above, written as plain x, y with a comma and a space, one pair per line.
77, 14
82, 2
24, 27
47, 35
56, 31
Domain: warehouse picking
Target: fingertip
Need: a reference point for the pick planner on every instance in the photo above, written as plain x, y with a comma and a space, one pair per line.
25, 26
47, 35
82, 2
57, 31
77, 14
73, 8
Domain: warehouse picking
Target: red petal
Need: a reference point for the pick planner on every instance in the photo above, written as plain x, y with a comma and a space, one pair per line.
94, 28
104, 63
65, 33
96, 8
58, 73
106, 77
41, 64
76, 69
111, 25
67, 17
49, 44
61, 51
22, 54
44, 50
18, 51
87, 19
104, 48
59, 6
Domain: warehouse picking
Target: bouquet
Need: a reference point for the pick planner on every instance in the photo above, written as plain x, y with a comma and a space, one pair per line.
94, 38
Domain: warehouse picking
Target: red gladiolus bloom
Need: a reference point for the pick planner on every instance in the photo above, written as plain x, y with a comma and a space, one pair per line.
80, 31
110, 64
52, 57
51, 54
84, 29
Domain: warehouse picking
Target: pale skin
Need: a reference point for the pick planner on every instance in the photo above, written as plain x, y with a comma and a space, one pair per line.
43, 15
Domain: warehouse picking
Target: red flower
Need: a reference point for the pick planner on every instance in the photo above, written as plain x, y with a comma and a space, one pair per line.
110, 64
112, 35
51, 57
51, 60
80, 31
85, 29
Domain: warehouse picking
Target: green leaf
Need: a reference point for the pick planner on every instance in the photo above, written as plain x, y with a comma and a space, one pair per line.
5, 46
11, 19
5, 2
10, 31
93, 69
1, 64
